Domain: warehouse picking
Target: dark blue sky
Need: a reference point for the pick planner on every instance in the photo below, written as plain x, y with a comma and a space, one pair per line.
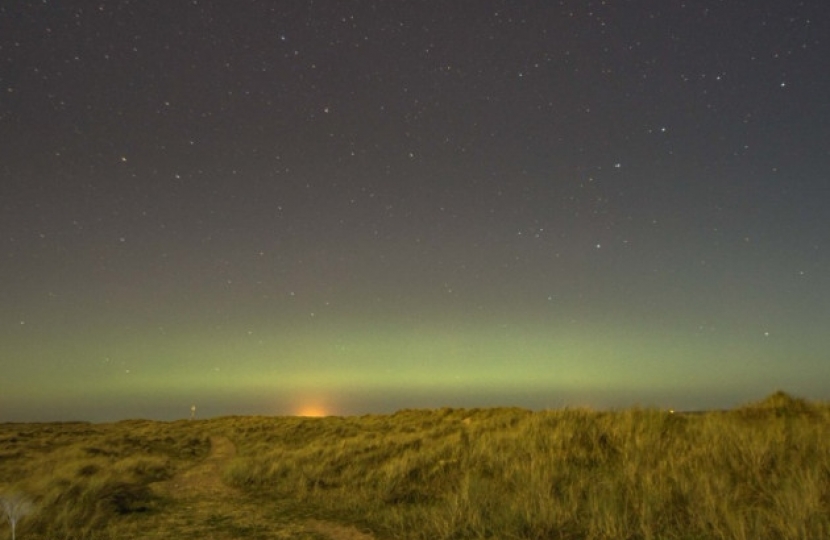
266, 207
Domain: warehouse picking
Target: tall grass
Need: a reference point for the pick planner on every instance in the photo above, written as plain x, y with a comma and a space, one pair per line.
83, 477
759, 472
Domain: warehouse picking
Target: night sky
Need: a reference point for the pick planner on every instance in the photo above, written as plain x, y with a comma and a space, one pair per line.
348, 207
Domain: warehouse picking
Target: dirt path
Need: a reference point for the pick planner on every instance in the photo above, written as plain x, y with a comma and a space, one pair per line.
204, 481
208, 509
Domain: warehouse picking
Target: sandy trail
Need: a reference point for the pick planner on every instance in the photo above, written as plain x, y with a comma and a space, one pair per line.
209, 509
204, 480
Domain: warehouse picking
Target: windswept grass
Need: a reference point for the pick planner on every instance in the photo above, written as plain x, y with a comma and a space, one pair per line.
762, 471
83, 477
759, 471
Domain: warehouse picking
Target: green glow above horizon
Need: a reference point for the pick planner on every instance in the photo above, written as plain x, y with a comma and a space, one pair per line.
403, 219
322, 360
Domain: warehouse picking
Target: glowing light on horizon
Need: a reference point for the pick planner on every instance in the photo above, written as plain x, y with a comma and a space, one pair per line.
312, 410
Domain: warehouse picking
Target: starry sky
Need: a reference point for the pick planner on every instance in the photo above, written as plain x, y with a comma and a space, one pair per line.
348, 207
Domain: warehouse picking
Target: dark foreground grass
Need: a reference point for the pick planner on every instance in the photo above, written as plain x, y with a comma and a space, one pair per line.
760, 471
84, 478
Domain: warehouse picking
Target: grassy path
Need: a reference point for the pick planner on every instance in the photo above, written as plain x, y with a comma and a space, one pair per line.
204, 507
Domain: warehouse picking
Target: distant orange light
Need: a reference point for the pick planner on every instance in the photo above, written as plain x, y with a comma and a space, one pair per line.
313, 411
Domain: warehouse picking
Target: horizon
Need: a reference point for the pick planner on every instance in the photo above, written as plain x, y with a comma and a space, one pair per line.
260, 207
319, 410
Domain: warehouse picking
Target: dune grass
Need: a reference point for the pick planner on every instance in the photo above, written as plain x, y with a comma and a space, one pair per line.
762, 471
759, 471
84, 477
